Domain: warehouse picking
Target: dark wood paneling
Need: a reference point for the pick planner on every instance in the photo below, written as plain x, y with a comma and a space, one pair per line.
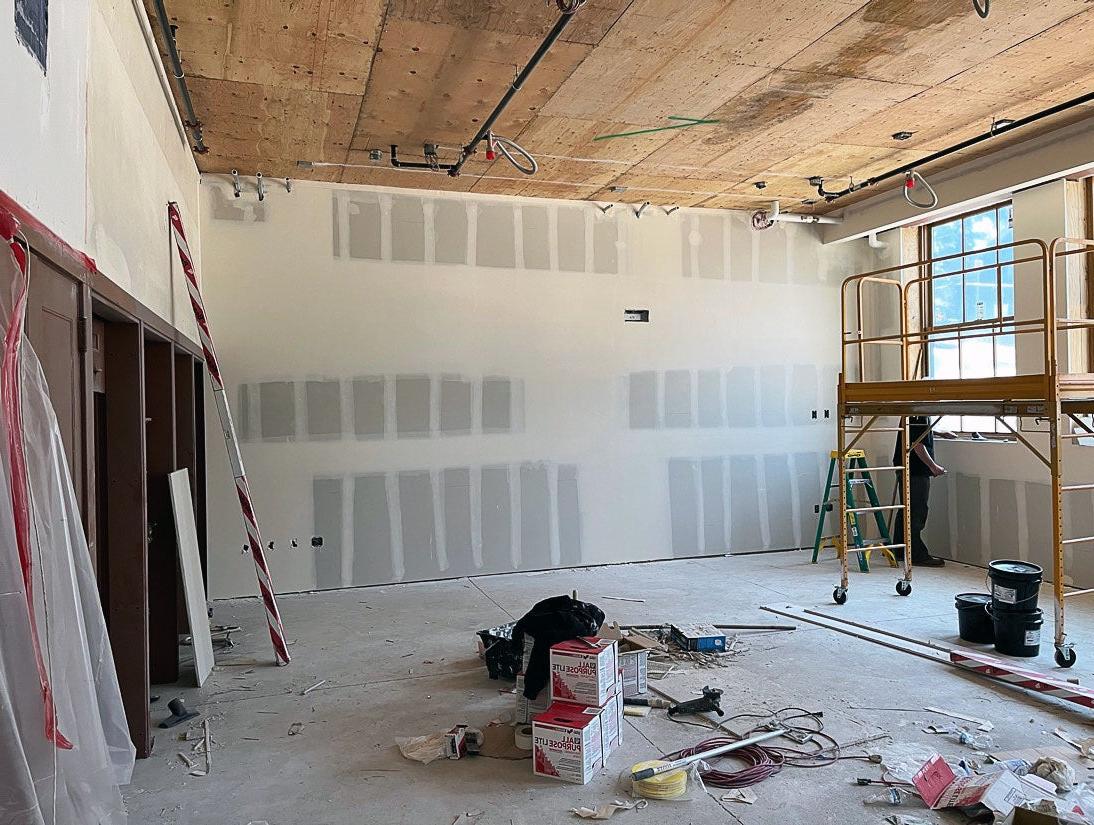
53, 328
159, 399
126, 526
185, 446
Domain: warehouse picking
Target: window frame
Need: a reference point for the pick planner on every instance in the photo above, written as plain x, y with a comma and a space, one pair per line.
927, 305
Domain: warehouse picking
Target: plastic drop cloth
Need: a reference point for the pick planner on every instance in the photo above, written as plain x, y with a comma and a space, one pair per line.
54, 649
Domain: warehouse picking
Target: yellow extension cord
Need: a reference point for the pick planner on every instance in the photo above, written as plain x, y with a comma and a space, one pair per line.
671, 785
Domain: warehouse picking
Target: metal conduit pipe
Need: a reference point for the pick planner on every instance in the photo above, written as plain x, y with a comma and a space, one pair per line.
192, 122
995, 131
515, 86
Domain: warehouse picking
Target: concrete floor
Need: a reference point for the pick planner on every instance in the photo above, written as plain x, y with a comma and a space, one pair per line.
344, 769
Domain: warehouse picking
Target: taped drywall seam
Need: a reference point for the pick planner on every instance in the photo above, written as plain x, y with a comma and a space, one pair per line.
385, 228
436, 480
659, 378
518, 237
983, 552
434, 406
348, 546
472, 232
727, 497
763, 515
552, 504
513, 473
693, 381
429, 230
475, 499
476, 407
343, 226
349, 425
700, 514
727, 248
694, 240
395, 520
795, 497
552, 237
300, 405
590, 241
391, 420
955, 516
1023, 520
755, 239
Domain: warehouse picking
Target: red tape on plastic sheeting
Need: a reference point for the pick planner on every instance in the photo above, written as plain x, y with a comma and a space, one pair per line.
10, 402
14, 211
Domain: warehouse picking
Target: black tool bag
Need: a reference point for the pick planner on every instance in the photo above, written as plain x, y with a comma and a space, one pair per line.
502, 657
551, 621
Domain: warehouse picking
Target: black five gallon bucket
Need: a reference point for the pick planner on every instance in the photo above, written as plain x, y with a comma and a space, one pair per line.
974, 623
1014, 585
1018, 632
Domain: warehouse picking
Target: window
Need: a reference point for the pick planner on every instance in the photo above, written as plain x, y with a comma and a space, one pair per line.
984, 291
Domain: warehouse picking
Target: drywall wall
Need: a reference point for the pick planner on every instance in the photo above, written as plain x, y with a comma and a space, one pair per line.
446, 385
44, 122
136, 162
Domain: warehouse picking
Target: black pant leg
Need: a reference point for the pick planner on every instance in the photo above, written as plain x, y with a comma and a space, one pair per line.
920, 496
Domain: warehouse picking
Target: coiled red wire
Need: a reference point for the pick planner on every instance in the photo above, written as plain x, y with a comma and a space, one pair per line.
760, 763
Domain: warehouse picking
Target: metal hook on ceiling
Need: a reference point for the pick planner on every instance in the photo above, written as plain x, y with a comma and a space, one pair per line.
911, 181
260, 186
604, 210
668, 210
982, 8
638, 212
236, 187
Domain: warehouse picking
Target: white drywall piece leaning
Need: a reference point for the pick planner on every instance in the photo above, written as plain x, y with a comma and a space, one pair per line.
190, 562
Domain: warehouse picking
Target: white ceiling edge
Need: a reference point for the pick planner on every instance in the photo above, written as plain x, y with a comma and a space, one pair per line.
1065, 152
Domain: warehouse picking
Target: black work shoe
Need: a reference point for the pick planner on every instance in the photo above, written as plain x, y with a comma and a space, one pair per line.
929, 561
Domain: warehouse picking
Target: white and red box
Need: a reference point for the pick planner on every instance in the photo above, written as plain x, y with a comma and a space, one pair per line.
584, 671
567, 742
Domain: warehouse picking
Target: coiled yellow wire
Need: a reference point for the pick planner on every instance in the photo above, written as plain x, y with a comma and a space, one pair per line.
671, 785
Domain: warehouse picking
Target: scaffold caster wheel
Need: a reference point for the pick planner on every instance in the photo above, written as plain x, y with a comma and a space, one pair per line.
839, 595
1065, 657
903, 588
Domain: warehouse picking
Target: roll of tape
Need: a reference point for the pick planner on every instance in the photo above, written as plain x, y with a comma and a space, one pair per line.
522, 737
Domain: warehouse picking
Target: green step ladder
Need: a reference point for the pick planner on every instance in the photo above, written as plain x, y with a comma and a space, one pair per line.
856, 465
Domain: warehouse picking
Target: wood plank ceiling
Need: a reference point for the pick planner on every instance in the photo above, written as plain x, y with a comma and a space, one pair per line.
799, 89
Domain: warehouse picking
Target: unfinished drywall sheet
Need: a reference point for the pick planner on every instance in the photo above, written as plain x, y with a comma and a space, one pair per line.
684, 502
495, 238
741, 397
497, 405
606, 245
571, 238
1003, 521
324, 409
1038, 525
779, 499
811, 472
678, 411
542, 423
744, 500
712, 472
969, 518
365, 227
278, 404
458, 537
455, 413
711, 403
496, 519
450, 232
419, 546
536, 533
771, 256
413, 396
642, 404
327, 498
372, 531
407, 229
368, 407
569, 516
773, 395
536, 237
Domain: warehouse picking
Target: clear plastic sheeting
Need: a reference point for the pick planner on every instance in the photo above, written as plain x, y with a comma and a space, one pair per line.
61, 767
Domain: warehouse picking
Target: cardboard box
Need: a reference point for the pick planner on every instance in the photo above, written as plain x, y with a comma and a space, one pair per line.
567, 743
703, 637
584, 672
1000, 792
634, 665
527, 708
611, 725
